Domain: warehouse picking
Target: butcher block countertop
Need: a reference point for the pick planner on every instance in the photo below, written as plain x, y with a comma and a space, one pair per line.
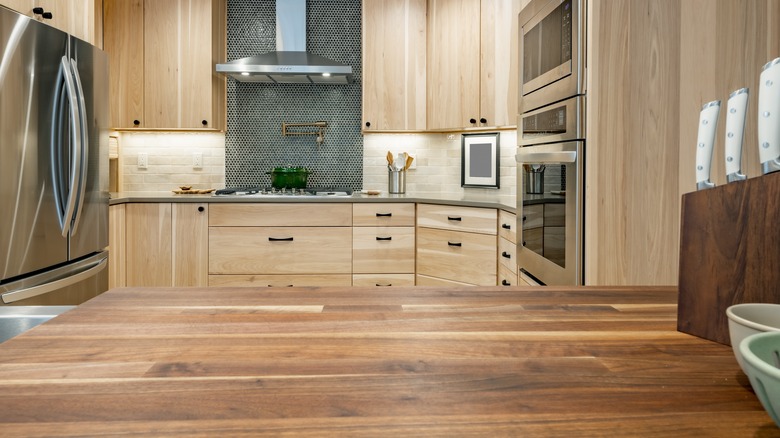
415, 361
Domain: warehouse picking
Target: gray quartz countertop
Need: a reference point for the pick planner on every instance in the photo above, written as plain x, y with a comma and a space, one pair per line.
466, 200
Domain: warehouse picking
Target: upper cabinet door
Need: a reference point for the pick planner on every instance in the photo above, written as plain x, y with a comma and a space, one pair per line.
499, 62
453, 63
394, 65
162, 63
124, 43
80, 18
472, 63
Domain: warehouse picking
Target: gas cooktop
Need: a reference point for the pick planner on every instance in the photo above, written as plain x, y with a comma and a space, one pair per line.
269, 191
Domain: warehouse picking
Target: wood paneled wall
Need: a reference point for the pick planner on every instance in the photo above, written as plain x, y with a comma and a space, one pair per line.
724, 45
652, 64
632, 211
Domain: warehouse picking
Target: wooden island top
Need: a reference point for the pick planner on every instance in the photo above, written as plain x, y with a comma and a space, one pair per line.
414, 361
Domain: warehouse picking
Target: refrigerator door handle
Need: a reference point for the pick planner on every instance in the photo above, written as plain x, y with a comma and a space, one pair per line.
83, 134
76, 146
61, 278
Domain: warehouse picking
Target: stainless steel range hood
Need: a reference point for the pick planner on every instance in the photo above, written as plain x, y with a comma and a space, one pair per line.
290, 63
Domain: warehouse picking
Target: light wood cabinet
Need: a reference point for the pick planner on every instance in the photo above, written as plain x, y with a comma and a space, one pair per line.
472, 63
280, 244
80, 18
117, 231
394, 65
383, 244
457, 244
161, 57
165, 244
507, 250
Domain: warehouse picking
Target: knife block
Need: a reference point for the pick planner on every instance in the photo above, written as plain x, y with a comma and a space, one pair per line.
729, 253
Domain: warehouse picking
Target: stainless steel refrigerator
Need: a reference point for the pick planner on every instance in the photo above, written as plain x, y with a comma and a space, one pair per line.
53, 165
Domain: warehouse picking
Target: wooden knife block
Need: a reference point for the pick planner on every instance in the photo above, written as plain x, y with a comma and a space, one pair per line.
729, 253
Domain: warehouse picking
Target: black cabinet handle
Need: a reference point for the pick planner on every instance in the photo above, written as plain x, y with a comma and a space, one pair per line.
201, 209
454, 218
483, 120
204, 122
523, 242
47, 15
287, 285
136, 122
505, 283
280, 239
506, 226
384, 238
472, 121
368, 124
384, 214
524, 218
454, 243
506, 254
384, 285
38, 10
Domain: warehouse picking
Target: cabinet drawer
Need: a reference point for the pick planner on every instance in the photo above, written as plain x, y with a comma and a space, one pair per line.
507, 226
280, 280
507, 254
471, 219
280, 215
383, 250
280, 250
383, 215
383, 280
458, 256
507, 278
425, 280
533, 216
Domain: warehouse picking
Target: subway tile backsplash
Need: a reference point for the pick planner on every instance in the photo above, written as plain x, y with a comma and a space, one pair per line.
170, 160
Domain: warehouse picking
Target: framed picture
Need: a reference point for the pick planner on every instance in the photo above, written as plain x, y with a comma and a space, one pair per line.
479, 160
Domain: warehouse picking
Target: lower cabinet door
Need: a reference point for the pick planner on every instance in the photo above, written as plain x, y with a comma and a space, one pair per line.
383, 280
280, 280
458, 256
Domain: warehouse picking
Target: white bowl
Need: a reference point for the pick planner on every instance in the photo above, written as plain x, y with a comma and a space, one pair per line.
748, 319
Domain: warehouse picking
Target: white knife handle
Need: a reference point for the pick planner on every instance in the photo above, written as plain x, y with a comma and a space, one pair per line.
708, 122
769, 117
735, 128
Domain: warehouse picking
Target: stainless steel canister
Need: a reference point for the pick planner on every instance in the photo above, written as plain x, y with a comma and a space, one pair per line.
396, 181
534, 178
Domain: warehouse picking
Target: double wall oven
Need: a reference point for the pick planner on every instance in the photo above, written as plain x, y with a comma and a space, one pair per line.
551, 142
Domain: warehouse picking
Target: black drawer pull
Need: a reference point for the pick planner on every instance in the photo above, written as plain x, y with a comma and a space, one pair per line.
506, 254
201, 209
280, 239
288, 285
384, 285
506, 226
524, 218
505, 283
454, 243
384, 238
384, 214
454, 218
523, 242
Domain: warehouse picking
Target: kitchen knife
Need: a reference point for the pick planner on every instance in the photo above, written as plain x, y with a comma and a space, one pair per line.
708, 122
769, 117
735, 128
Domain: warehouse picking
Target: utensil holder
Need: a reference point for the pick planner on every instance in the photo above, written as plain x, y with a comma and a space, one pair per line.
396, 181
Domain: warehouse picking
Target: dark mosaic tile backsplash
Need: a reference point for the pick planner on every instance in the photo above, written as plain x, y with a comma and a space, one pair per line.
253, 142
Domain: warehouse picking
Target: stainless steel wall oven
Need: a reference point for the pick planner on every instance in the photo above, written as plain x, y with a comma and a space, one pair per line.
551, 142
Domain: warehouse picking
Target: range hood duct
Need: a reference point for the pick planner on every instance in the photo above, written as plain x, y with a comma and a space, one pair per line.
290, 63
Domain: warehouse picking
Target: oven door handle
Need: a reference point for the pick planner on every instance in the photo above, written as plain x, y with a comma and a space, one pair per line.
525, 156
